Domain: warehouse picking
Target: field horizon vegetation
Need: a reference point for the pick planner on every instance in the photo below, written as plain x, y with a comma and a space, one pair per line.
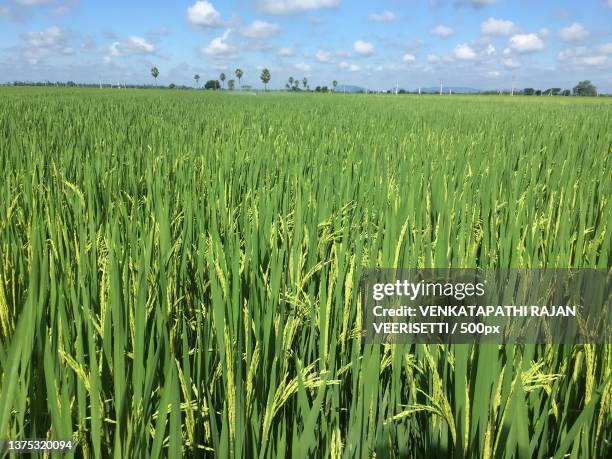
180, 271
583, 88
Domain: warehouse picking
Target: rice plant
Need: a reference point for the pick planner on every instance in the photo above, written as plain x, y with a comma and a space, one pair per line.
180, 271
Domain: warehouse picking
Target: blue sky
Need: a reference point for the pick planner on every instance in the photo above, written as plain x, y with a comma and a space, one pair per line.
477, 43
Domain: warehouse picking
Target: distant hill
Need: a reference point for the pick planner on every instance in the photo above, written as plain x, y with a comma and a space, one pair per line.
454, 89
349, 88
429, 90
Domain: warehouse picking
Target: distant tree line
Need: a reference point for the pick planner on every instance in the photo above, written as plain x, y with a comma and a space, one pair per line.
583, 88
72, 84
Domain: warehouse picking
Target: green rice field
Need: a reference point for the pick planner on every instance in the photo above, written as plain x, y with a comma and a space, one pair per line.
179, 271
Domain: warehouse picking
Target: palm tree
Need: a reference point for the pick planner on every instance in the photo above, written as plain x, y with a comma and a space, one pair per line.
230, 85
334, 84
265, 77
305, 82
196, 77
155, 74
239, 74
222, 78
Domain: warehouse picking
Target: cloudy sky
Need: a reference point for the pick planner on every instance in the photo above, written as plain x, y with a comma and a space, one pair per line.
477, 43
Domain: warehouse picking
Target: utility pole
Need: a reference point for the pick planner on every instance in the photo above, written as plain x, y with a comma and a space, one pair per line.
440, 87
419, 90
513, 84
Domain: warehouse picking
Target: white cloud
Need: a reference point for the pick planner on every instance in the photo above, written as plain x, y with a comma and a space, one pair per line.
48, 42
543, 32
475, 3
385, 16
285, 52
204, 14
433, 58
219, 46
526, 43
261, 29
442, 31
490, 50
346, 66
408, 58
581, 55
610, 3
302, 67
295, 6
363, 48
34, 2
573, 33
59, 8
498, 27
130, 46
571, 53
493, 74
464, 52
61, 11
324, 56
51, 36
511, 63
595, 60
